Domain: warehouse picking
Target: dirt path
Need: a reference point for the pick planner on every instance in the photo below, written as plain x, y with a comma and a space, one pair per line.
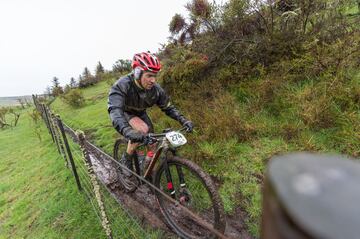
143, 203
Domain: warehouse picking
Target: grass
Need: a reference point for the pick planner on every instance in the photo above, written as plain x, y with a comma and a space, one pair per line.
93, 118
243, 130
39, 197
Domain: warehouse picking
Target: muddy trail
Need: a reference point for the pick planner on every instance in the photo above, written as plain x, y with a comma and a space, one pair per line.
142, 202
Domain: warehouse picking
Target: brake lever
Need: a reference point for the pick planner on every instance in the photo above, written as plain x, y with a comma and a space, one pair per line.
182, 129
150, 140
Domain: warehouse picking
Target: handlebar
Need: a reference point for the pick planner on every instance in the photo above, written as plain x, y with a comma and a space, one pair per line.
152, 138
152, 135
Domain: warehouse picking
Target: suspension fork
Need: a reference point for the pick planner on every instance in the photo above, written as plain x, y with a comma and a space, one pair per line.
179, 170
170, 185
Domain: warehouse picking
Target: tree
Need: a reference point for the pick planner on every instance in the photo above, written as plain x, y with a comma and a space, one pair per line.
177, 24
67, 88
99, 69
201, 19
73, 83
21, 102
56, 89
122, 66
55, 81
3, 112
86, 79
16, 116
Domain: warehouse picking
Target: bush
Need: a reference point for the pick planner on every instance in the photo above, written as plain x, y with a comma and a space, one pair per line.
183, 70
75, 98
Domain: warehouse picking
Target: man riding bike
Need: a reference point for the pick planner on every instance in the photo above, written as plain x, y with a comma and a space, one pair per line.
129, 98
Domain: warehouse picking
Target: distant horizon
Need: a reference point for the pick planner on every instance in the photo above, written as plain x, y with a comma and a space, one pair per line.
14, 96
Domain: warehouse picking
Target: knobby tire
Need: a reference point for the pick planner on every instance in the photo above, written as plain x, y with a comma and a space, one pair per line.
215, 216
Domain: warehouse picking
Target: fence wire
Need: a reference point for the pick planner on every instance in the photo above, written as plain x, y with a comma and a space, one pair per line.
123, 224
106, 206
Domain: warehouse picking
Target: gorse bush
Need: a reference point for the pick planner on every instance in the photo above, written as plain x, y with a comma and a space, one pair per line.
263, 77
75, 98
185, 69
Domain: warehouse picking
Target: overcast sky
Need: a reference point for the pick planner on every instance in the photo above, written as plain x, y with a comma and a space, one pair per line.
40, 39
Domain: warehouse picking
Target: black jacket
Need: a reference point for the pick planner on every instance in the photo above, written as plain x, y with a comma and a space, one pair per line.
125, 95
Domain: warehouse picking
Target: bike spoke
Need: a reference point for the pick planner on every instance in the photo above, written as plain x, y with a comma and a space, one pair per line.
193, 195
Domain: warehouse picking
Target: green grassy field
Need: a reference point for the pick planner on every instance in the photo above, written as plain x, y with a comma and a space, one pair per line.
38, 196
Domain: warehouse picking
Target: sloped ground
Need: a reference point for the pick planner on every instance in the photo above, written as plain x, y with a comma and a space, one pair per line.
142, 202
38, 197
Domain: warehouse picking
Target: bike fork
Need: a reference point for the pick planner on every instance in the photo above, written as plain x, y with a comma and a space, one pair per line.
181, 176
170, 186
179, 171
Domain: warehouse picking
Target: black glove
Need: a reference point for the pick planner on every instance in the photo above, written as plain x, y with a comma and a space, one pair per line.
135, 136
188, 125
148, 140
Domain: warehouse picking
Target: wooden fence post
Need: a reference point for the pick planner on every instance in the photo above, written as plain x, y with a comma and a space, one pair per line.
69, 154
47, 121
52, 126
60, 139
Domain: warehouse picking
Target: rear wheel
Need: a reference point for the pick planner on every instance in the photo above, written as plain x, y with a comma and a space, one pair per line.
194, 190
130, 184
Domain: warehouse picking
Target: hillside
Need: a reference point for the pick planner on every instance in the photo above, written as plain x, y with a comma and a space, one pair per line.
257, 80
38, 198
237, 167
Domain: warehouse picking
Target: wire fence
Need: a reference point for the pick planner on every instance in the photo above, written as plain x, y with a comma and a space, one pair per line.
78, 154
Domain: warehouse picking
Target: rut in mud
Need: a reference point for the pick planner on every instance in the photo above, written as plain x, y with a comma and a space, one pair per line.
142, 202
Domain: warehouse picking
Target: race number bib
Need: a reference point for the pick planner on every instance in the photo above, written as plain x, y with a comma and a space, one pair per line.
176, 139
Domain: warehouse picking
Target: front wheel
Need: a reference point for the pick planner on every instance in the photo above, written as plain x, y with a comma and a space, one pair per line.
191, 187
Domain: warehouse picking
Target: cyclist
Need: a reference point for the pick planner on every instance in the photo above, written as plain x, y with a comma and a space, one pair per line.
129, 98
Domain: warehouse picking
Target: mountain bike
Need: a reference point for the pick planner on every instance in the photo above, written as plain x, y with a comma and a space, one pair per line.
180, 179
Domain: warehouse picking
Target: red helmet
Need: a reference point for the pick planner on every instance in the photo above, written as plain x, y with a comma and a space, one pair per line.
146, 61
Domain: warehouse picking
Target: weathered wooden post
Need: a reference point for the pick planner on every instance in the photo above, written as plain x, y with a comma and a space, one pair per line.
47, 121
311, 196
60, 139
69, 154
53, 129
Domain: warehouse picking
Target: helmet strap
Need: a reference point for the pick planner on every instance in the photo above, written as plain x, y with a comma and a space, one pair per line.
138, 72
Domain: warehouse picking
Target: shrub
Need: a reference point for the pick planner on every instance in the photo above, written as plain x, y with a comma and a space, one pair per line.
184, 70
75, 98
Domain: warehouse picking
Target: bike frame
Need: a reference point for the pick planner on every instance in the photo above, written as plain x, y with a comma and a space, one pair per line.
163, 147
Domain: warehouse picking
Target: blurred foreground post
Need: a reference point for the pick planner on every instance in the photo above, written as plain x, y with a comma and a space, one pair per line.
311, 196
